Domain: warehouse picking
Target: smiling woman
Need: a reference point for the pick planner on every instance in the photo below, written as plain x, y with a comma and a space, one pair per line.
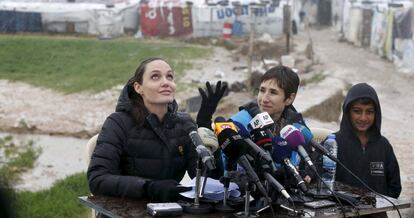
142, 150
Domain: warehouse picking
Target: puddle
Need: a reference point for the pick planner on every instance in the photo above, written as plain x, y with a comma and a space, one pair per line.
61, 156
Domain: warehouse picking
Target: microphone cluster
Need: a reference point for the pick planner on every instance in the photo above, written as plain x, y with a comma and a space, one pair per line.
247, 139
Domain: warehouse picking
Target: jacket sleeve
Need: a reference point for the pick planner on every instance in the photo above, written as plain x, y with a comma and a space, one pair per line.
393, 174
104, 173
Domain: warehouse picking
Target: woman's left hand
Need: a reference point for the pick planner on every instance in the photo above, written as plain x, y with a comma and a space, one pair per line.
209, 103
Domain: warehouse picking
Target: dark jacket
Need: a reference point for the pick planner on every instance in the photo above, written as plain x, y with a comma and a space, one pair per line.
127, 156
374, 163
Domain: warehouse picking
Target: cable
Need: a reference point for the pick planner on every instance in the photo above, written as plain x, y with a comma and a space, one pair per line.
336, 197
333, 193
369, 188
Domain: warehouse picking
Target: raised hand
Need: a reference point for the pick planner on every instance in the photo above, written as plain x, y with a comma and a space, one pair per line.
210, 100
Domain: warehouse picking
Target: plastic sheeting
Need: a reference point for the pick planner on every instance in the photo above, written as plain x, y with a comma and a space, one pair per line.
378, 32
14, 21
90, 18
354, 28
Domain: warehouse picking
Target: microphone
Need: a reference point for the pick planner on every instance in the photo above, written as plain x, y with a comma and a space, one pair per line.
296, 141
204, 153
281, 154
221, 125
208, 138
229, 140
262, 139
277, 186
233, 147
243, 117
261, 120
307, 134
241, 120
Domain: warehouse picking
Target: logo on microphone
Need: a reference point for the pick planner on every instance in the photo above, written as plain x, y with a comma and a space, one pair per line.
218, 127
287, 130
282, 143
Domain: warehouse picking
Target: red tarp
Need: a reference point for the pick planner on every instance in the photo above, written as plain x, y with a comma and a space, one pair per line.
165, 21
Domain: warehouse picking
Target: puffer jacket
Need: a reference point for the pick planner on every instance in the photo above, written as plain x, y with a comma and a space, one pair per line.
128, 155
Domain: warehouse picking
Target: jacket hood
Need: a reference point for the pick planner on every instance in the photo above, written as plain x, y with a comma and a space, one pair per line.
125, 105
361, 90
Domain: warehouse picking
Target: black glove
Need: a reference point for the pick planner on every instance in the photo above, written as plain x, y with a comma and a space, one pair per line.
164, 190
209, 103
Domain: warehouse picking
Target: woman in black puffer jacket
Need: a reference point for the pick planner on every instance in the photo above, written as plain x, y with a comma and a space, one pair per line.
142, 149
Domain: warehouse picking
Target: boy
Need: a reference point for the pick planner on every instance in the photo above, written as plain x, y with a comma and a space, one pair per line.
362, 148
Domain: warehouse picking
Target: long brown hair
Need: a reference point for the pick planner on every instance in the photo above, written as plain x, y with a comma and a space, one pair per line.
139, 111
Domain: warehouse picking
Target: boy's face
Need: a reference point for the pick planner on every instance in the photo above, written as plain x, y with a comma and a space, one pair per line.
362, 116
271, 99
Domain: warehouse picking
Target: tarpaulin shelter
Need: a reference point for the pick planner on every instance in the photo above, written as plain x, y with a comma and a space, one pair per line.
88, 18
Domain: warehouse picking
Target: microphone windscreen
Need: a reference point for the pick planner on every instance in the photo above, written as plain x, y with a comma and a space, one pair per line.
220, 126
292, 135
307, 134
208, 138
228, 141
219, 119
281, 149
243, 117
253, 111
242, 129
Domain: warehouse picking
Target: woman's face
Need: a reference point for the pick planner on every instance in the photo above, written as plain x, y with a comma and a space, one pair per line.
271, 99
158, 85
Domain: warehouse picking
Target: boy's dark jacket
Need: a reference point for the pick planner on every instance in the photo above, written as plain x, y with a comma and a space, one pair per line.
374, 163
127, 155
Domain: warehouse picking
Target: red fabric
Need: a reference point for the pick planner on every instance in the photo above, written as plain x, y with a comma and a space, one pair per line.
165, 21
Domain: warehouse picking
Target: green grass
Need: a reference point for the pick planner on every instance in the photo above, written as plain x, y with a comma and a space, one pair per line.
59, 201
70, 64
16, 159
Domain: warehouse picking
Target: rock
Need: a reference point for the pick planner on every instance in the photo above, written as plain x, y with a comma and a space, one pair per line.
287, 61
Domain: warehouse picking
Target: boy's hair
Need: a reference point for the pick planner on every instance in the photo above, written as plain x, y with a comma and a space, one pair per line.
285, 78
363, 101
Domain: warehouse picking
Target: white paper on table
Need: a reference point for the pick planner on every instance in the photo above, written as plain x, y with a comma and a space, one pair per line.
214, 190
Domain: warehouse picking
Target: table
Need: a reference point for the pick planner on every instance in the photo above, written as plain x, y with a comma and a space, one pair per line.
369, 204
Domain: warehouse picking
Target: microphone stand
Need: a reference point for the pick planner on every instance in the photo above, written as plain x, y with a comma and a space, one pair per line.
246, 213
224, 207
196, 207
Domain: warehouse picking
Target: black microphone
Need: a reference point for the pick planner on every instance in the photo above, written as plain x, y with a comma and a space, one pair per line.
233, 146
245, 143
204, 153
262, 139
258, 152
277, 186
281, 153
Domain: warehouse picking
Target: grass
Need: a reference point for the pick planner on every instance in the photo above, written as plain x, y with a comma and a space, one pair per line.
70, 64
59, 201
16, 159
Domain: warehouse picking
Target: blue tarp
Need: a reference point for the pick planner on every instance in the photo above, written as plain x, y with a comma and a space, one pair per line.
13, 21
